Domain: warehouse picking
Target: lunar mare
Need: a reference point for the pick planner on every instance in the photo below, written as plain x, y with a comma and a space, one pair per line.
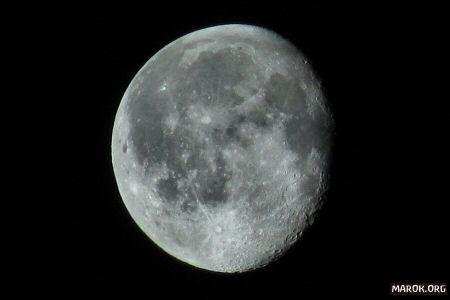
221, 147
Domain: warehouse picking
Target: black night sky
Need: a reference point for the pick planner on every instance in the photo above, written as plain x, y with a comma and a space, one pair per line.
384, 72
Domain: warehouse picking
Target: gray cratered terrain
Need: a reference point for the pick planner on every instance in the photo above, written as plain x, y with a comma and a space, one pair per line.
221, 146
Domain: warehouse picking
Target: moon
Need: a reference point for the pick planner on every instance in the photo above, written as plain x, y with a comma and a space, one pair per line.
221, 147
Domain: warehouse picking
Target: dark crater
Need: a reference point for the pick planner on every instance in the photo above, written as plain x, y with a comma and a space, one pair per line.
213, 188
167, 189
189, 206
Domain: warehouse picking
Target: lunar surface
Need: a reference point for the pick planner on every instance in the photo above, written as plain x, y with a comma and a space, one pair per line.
221, 147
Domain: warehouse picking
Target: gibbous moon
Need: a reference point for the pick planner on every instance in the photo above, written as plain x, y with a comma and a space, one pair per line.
221, 147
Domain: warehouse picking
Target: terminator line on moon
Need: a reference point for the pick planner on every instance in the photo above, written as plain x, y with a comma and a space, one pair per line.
221, 147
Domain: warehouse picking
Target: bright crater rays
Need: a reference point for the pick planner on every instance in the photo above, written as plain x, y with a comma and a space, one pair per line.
221, 147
